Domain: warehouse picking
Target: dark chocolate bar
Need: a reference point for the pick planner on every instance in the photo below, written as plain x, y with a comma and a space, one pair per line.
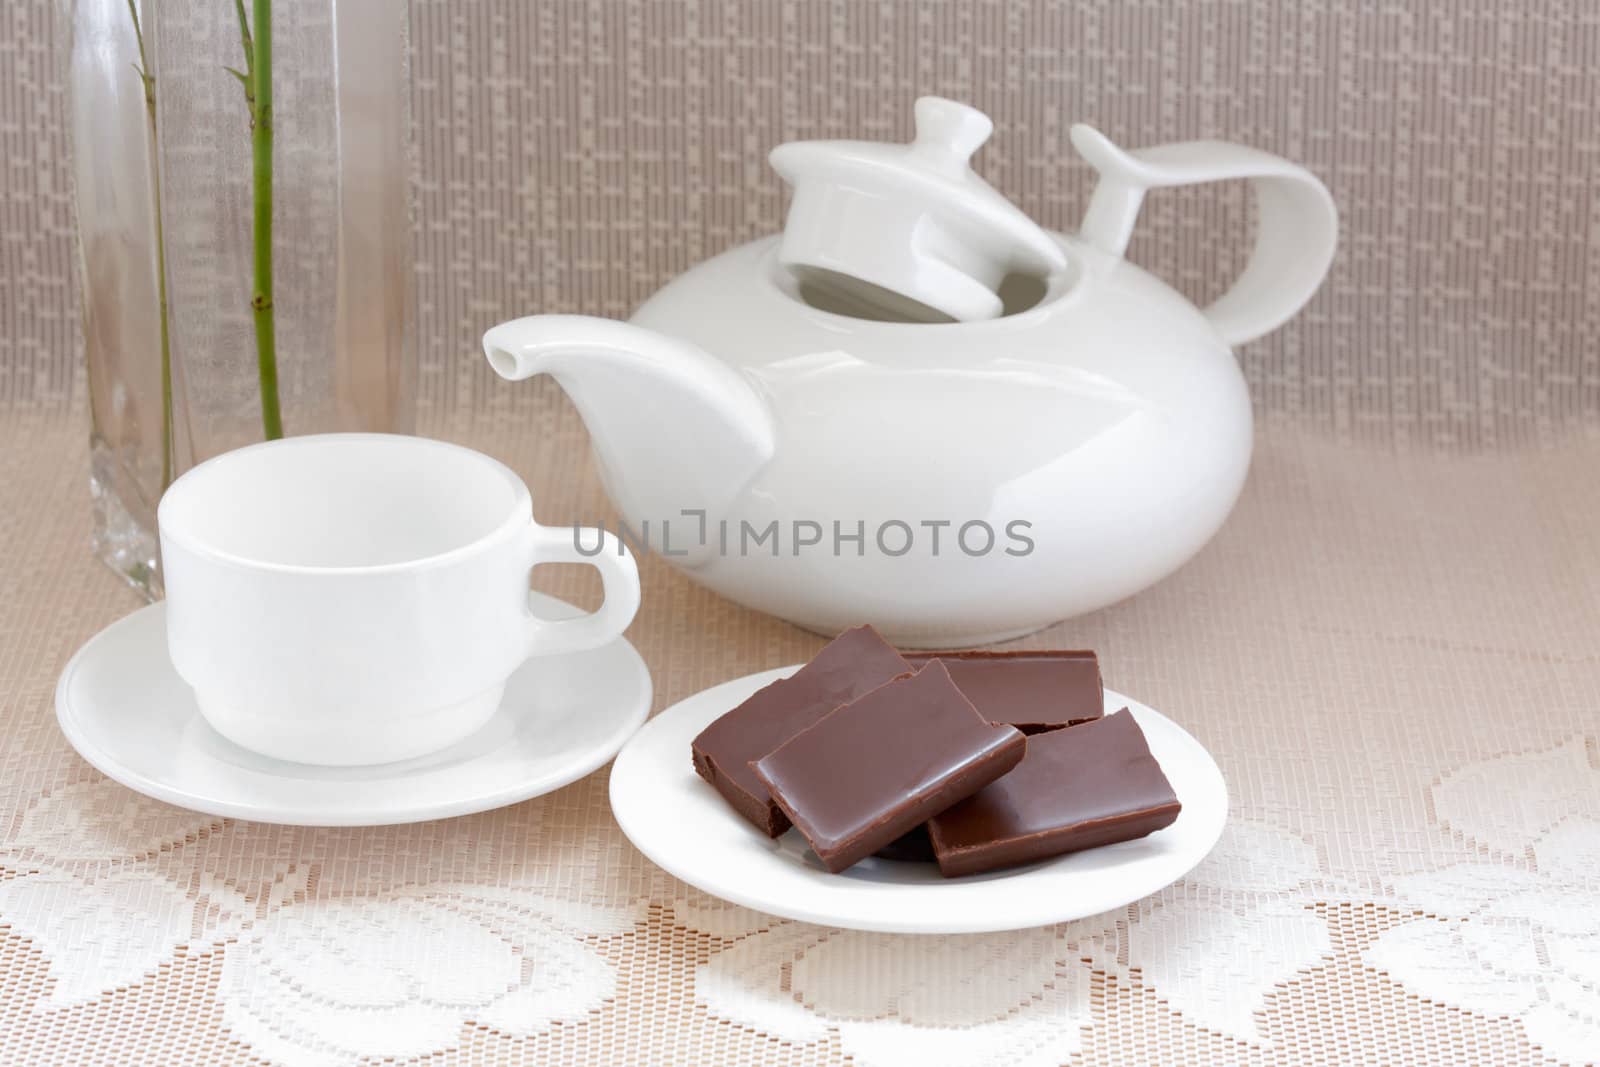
875, 768
1076, 788
851, 665
1033, 691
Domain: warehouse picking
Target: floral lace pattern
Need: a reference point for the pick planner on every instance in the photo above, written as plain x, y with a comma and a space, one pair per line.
305, 979
1519, 941
110, 887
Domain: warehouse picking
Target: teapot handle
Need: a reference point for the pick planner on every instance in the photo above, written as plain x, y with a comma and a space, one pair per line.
1297, 224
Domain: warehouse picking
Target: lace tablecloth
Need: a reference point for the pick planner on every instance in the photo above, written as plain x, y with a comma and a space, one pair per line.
1393, 660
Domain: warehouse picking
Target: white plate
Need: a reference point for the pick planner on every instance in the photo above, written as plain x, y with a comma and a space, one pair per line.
127, 712
682, 824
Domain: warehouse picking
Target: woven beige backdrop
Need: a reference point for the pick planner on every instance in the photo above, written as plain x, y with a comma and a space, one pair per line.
573, 156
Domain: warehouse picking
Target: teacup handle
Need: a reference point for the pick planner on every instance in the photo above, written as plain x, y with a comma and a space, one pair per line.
1297, 223
619, 578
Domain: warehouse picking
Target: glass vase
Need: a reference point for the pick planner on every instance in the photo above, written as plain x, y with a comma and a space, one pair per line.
168, 172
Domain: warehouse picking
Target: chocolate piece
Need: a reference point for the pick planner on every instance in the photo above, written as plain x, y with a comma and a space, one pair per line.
877, 767
1076, 788
1033, 691
851, 665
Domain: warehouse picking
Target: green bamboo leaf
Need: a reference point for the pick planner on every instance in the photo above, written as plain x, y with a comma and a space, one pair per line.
244, 35
143, 66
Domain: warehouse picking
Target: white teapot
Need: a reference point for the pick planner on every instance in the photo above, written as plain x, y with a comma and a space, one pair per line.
917, 409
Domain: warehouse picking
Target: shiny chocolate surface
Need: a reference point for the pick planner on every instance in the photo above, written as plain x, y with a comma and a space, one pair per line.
849, 666
1033, 691
872, 770
1076, 788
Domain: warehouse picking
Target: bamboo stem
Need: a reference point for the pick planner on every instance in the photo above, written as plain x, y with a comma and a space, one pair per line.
168, 443
261, 159
257, 81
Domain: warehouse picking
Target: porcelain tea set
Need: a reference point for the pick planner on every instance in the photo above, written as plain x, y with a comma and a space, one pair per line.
914, 408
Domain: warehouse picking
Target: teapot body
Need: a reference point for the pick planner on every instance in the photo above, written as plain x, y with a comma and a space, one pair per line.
952, 483
916, 408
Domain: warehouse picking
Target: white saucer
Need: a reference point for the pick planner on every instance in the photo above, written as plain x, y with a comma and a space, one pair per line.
127, 712
682, 824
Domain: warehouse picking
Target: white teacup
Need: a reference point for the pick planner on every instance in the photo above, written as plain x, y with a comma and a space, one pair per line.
362, 598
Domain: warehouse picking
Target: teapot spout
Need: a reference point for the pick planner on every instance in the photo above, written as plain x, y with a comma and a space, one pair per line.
673, 428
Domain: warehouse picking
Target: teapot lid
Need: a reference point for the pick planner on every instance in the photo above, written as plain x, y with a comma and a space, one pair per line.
926, 235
